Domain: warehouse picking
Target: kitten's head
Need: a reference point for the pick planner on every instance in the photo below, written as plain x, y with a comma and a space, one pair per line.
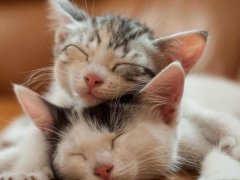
101, 58
123, 139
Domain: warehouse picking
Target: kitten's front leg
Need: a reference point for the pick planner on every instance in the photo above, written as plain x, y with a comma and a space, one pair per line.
27, 159
43, 174
217, 127
231, 145
218, 165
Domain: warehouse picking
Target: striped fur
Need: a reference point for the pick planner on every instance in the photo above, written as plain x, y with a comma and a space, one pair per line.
122, 52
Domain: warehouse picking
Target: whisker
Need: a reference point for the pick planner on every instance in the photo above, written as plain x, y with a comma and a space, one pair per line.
93, 5
39, 77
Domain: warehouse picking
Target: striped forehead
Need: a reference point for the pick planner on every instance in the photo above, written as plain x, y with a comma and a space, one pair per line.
119, 29
112, 31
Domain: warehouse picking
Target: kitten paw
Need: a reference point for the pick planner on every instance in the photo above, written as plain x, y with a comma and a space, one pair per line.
46, 174
6, 144
12, 176
227, 143
230, 146
236, 153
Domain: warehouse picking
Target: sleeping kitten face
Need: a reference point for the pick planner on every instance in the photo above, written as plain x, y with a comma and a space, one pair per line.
95, 67
144, 149
101, 58
133, 139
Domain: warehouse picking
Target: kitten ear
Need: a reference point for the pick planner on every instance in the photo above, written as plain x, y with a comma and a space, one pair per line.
163, 94
186, 47
35, 107
64, 13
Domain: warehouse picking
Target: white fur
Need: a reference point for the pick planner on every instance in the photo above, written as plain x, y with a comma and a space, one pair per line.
213, 103
217, 165
214, 93
27, 156
209, 119
200, 129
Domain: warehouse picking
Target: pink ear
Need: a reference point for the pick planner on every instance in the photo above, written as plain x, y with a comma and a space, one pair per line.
163, 94
186, 47
34, 107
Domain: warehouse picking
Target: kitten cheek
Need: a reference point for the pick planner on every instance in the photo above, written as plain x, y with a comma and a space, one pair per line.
61, 75
120, 164
64, 60
77, 87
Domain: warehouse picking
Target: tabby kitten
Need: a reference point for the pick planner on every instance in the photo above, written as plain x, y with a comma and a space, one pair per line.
103, 57
134, 139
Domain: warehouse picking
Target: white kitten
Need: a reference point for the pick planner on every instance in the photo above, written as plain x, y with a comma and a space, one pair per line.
94, 143
198, 132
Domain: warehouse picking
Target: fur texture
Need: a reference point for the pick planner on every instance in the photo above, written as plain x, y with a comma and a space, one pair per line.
218, 165
120, 51
152, 137
98, 144
123, 53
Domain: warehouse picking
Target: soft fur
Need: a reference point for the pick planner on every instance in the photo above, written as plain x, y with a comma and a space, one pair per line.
121, 51
151, 134
218, 165
24, 155
79, 143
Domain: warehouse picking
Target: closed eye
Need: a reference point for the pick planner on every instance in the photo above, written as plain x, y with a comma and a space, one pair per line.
115, 138
129, 70
75, 47
78, 155
123, 64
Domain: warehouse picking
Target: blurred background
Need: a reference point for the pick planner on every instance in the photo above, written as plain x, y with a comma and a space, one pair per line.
26, 42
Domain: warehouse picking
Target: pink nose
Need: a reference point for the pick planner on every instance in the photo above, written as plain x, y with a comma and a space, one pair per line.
93, 80
104, 171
